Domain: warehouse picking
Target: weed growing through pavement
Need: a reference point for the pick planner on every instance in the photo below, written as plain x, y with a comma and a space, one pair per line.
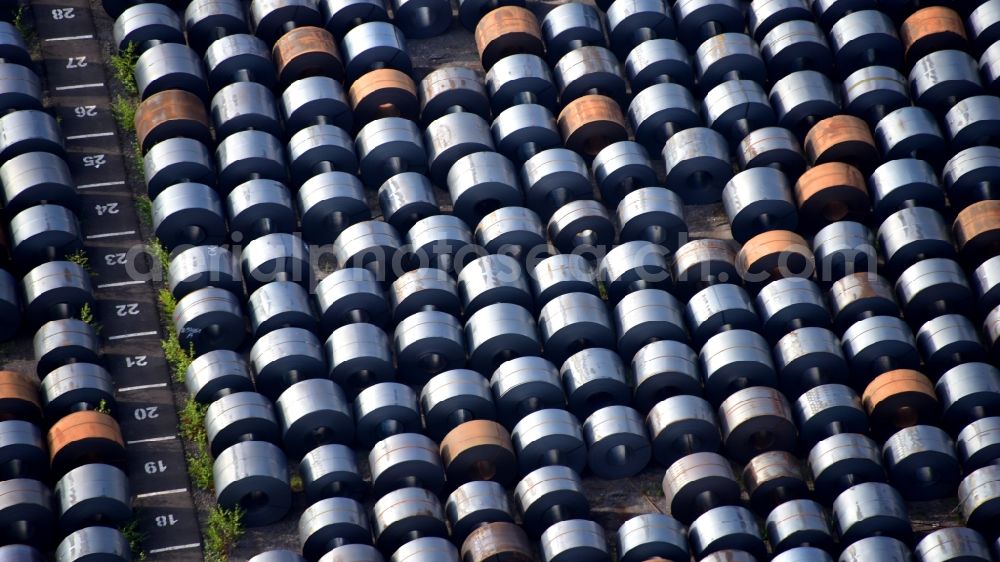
87, 316
224, 528
123, 67
134, 537
144, 208
192, 428
81, 259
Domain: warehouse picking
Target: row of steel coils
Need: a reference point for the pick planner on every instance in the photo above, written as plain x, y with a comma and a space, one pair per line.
459, 434
37, 192
454, 307
417, 19
62, 484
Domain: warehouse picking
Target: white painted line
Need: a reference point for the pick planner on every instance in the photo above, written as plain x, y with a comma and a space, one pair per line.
162, 493
151, 440
142, 387
89, 136
80, 86
70, 38
101, 184
110, 234
120, 284
132, 335
171, 548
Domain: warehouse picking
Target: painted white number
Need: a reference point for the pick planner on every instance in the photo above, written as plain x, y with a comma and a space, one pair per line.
116, 259
136, 361
95, 161
153, 467
76, 62
85, 111
131, 309
147, 413
165, 520
63, 14
106, 209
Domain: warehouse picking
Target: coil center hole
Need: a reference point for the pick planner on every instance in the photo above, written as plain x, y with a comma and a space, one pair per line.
321, 435
12, 468
388, 428
432, 363
254, 501
599, 400
194, 234
739, 383
698, 180
905, 416
553, 457
502, 356
791, 263
360, 380
577, 345
835, 211
23, 531
586, 237
484, 470
595, 144
762, 440
666, 392
927, 475
618, 455
333, 489
686, 444
486, 206
387, 110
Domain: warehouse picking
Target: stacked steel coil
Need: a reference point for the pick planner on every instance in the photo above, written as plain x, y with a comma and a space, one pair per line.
526, 308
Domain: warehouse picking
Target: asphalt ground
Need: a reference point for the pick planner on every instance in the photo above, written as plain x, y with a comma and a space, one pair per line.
75, 74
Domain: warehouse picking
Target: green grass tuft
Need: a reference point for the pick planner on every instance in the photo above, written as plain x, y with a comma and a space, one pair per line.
103, 407
134, 537
123, 110
137, 159
87, 316
192, 421
602, 291
81, 259
224, 528
167, 301
200, 468
123, 66
192, 428
144, 208
177, 356
20, 20
25, 28
161, 255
